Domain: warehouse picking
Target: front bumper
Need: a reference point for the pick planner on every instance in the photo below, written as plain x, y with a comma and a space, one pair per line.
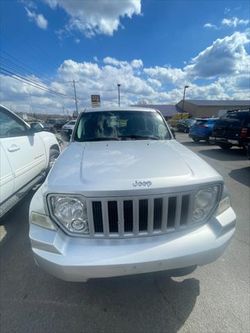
230, 142
78, 259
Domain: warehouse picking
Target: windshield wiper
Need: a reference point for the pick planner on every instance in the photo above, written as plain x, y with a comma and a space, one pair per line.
139, 137
108, 138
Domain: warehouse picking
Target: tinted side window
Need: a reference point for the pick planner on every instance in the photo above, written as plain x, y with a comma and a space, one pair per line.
11, 127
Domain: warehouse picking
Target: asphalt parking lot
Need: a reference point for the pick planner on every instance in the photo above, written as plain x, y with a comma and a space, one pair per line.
214, 298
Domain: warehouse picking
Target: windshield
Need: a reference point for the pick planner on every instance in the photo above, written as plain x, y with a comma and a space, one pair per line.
121, 125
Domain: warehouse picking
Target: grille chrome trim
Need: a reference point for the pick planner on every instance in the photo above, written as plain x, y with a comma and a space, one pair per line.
164, 214
150, 215
130, 207
178, 211
105, 217
120, 218
136, 216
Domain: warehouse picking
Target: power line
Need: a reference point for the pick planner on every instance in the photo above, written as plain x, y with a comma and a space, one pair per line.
18, 63
32, 83
12, 66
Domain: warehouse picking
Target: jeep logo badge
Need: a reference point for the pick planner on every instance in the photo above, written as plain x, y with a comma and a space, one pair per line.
138, 183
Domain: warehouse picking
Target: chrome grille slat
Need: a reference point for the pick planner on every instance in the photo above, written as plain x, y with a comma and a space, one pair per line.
90, 219
178, 211
164, 214
120, 218
136, 216
140, 215
105, 218
150, 215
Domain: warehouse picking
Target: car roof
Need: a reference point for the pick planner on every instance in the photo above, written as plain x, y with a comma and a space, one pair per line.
129, 108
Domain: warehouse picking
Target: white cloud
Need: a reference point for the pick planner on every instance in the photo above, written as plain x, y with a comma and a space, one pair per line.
210, 26
222, 70
136, 63
39, 19
70, 69
114, 62
224, 57
96, 17
234, 22
231, 22
154, 83
166, 74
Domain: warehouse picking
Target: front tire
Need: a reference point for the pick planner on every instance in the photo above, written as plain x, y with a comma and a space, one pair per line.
196, 139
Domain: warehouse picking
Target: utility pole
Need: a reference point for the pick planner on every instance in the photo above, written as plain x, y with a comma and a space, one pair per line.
119, 96
74, 85
184, 95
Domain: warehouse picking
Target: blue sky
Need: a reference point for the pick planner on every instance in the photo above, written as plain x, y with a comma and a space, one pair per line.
153, 48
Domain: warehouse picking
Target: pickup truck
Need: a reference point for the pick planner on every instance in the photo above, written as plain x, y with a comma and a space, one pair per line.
233, 129
125, 198
25, 158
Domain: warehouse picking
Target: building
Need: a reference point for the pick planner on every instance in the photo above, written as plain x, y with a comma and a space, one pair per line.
210, 108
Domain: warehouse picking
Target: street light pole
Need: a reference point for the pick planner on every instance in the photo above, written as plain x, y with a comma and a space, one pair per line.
74, 85
119, 96
184, 95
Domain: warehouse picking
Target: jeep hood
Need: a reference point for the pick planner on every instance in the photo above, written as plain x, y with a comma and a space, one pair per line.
109, 166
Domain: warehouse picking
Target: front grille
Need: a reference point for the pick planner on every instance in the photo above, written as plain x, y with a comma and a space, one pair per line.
139, 216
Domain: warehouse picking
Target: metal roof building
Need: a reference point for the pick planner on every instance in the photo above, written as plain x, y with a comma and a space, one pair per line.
209, 108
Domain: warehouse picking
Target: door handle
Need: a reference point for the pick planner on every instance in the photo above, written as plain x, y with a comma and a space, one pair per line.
13, 148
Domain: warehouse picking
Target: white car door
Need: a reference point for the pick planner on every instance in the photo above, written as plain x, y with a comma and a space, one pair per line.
25, 151
6, 175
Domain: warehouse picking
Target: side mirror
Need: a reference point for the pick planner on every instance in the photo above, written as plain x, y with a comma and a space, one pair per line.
66, 135
36, 127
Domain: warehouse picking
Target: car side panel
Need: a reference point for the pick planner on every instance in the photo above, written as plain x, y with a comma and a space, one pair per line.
27, 157
6, 176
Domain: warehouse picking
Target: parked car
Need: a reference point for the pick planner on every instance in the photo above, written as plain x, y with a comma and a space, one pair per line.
59, 124
202, 129
126, 198
49, 125
25, 158
233, 130
69, 126
185, 124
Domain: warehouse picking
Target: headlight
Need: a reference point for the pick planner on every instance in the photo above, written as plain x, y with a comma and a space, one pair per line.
205, 202
71, 212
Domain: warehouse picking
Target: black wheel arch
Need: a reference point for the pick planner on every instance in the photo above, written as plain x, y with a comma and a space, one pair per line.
55, 146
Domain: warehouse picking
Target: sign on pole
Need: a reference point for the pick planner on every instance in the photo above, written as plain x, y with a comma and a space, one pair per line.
95, 101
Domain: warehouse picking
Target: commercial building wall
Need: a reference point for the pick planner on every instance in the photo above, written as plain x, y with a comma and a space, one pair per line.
208, 110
